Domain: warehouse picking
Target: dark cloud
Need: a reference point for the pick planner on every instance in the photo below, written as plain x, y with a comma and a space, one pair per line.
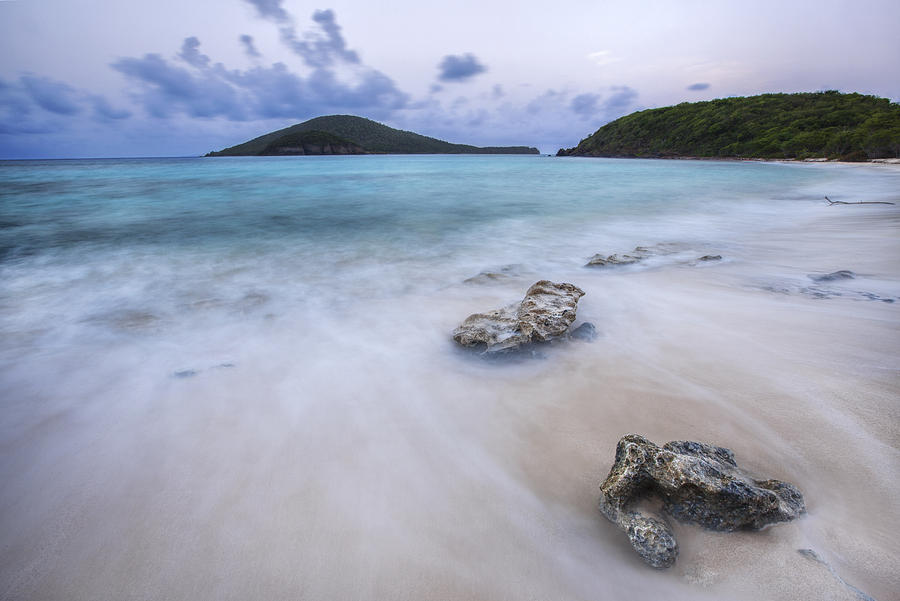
103, 111
167, 89
15, 110
275, 92
459, 67
619, 102
41, 105
249, 46
696, 87
549, 101
54, 96
270, 9
323, 48
191, 55
585, 105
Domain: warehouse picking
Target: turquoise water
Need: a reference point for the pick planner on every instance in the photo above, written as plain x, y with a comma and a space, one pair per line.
60, 206
88, 241
233, 377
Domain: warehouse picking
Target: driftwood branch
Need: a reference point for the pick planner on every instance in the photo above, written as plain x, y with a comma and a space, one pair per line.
861, 202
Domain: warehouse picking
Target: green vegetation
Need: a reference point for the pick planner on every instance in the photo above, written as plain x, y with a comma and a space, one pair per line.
369, 136
773, 126
310, 142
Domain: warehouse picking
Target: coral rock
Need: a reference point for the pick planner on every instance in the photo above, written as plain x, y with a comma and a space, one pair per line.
696, 482
545, 313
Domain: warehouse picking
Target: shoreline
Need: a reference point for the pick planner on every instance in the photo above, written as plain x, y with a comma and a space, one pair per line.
890, 162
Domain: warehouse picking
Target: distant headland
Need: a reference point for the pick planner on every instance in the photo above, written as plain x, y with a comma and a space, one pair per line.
348, 134
819, 125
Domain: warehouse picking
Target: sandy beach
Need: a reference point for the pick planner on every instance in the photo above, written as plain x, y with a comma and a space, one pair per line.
340, 446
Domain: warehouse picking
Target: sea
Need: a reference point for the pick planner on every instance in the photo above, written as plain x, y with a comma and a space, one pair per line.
234, 378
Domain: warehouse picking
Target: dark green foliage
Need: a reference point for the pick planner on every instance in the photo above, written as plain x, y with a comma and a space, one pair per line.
310, 142
807, 125
371, 136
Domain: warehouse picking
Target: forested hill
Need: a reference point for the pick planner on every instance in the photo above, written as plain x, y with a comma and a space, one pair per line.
347, 134
773, 126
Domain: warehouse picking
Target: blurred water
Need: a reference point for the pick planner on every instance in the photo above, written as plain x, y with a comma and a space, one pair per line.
151, 237
233, 377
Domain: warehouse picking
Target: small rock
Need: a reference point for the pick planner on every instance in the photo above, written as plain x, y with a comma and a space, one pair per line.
185, 373
546, 312
485, 277
599, 260
652, 539
710, 258
696, 482
586, 332
843, 274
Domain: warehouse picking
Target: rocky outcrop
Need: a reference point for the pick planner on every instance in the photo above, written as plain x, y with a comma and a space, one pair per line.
638, 254
600, 260
710, 258
504, 272
843, 274
696, 482
545, 313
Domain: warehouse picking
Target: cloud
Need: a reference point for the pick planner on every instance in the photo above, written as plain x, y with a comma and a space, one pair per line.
546, 102
320, 50
616, 104
103, 111
249, 46
191, 55
621, 100
36, 104
54, 96
459, 67
585, 105
696, 87
270, 9
497, 92
165, 89
603, 57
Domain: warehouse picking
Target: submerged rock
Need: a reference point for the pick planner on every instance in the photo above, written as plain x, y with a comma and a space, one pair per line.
638, 254
843, 274
546, 312
710, 258
586, 331
696, 482
600, 260
503, 273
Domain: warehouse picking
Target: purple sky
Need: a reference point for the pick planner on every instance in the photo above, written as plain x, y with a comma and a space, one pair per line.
82, 78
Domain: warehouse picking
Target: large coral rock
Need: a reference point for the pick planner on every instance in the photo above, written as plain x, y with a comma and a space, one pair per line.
546, 312
696, 482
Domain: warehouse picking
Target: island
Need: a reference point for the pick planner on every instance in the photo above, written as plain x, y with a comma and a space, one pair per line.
349, 134
818, 125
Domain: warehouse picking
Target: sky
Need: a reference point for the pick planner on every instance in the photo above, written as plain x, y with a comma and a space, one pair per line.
118, 78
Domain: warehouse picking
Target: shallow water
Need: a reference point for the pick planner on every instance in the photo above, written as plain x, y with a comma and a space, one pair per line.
233, 378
